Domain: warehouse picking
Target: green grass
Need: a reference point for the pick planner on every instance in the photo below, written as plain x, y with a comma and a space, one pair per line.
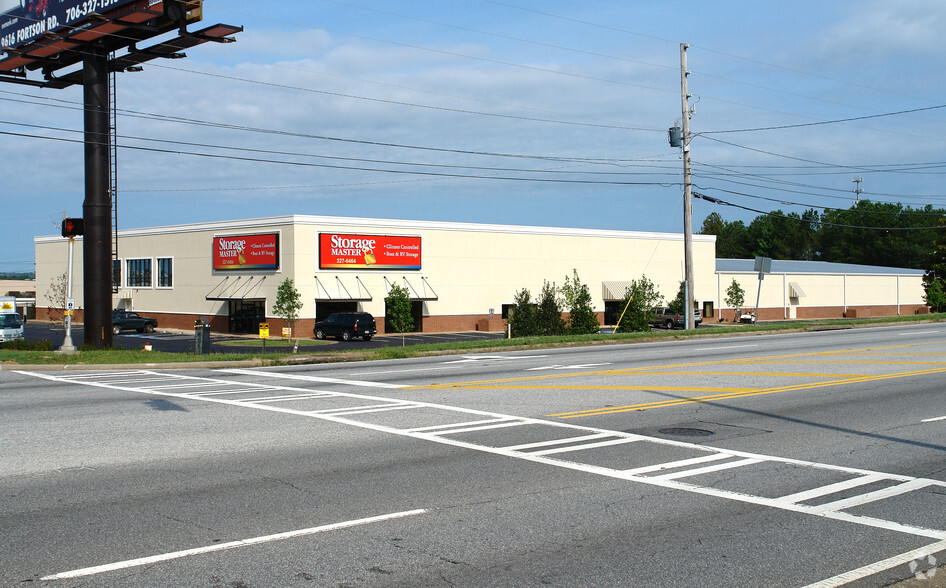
271, 343
276, 354
112, 356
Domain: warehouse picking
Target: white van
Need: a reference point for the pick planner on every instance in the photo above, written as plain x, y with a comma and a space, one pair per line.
11, 323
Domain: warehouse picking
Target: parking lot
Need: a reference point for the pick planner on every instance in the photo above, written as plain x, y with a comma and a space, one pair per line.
179, 341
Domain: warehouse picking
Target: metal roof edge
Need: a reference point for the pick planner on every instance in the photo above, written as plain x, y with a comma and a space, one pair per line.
387, 224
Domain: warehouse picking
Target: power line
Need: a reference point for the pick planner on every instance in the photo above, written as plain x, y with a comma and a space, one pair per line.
354, 168
825, 122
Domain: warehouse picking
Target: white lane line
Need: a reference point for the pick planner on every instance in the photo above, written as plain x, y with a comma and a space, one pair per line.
942, 418
143, 561
917, 333
708, 469
831, 488
880, 566
314, 379
726, 347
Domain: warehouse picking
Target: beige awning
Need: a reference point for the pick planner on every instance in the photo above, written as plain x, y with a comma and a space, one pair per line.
794, 290
615, 290
337, 291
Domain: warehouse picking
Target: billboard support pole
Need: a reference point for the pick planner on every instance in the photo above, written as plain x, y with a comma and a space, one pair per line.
97, 207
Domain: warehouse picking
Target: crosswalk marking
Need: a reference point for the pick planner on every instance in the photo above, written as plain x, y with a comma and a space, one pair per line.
832, 488
708, 469
575, 439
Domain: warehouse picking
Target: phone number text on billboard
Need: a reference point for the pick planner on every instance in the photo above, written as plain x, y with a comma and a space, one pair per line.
27, 23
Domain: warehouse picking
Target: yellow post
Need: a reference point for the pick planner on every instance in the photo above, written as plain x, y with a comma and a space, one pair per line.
622, 314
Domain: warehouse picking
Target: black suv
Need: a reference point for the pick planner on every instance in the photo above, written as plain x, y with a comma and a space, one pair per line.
123, 319
345, 325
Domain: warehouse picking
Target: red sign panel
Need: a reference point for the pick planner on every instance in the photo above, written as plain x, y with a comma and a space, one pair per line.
372, 252
246, 252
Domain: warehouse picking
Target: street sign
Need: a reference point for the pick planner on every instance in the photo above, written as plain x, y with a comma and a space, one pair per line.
264, 330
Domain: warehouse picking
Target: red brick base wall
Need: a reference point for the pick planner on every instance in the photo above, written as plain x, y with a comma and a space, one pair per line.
494, 323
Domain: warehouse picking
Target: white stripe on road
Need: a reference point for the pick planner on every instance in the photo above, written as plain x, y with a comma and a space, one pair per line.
314, 379
917, 333
708, 469
143, 561
832, 488
880, 566
942, 418
727, 347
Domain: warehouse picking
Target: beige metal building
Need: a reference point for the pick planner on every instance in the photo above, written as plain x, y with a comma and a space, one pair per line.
814, 289
460, 276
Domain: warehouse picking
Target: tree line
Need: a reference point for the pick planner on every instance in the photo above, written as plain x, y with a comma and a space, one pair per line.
897, 235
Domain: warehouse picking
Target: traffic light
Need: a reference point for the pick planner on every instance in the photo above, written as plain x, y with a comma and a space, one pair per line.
72, 227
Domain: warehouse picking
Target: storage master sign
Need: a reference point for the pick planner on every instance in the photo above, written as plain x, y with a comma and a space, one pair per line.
372, 252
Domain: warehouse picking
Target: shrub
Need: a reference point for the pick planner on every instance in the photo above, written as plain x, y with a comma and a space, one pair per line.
548, 314
582, 319
639, 299
522, 316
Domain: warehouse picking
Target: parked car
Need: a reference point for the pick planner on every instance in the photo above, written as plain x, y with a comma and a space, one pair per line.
124, 320
346, 325
663, 317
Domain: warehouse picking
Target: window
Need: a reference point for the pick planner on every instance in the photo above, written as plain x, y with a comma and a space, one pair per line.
138, 273
165, 272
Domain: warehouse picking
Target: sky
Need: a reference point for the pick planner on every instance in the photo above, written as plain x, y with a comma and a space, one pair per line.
514, 112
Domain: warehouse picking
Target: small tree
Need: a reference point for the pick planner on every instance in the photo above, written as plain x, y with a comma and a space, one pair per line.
56, 295
735, 298
935, 296
288, 303
548, 314
582, 319
398, 310
521, 319
639, 299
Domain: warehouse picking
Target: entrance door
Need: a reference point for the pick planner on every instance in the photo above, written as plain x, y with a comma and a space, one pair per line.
246, 315
323, 308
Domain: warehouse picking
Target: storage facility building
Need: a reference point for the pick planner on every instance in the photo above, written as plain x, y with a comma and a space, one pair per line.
460, 276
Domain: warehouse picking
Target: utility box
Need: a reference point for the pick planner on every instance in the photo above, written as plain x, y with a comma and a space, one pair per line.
201, 337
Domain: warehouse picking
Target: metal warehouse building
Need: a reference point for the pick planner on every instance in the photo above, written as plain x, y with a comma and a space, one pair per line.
460, 276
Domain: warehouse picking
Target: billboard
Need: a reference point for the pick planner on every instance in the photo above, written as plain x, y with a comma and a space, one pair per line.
370, 252
25, 21
246, 252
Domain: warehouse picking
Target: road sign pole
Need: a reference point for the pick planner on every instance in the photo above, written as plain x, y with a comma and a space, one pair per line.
67, 346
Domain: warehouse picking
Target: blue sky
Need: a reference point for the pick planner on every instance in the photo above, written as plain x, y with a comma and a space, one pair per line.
521, 112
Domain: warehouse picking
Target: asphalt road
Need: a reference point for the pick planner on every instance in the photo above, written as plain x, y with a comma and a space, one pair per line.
789, 460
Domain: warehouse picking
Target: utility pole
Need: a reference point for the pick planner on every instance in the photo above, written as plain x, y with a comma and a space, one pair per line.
687, 194
857, 188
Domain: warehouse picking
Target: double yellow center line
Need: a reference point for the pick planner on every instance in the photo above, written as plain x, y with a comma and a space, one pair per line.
718, 393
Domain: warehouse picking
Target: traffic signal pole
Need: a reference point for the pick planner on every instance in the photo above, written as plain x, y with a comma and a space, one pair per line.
97, 207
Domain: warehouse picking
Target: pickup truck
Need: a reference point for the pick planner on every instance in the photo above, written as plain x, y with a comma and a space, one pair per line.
127, 320
663, 317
